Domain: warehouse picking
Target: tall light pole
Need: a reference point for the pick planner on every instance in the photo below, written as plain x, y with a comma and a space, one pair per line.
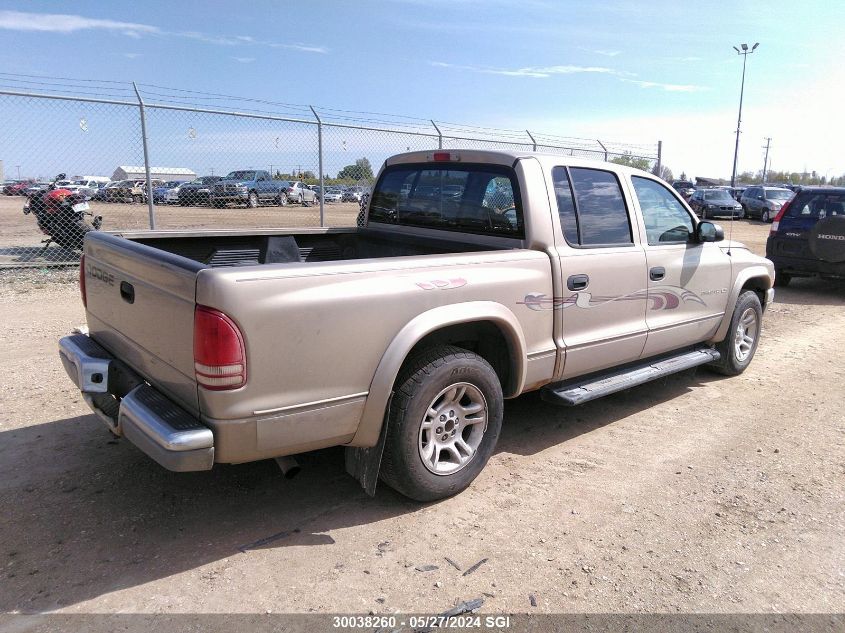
744, 52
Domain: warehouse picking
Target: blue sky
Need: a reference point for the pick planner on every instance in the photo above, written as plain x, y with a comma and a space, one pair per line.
624, 71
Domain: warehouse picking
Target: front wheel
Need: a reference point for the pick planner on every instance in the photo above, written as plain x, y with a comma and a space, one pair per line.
764, 216
252, 200
444, 423
740, 343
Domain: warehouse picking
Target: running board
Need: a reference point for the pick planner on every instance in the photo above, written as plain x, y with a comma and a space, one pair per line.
577, 391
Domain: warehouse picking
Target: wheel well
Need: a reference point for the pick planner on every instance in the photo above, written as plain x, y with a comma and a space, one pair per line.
759, 285
482, 337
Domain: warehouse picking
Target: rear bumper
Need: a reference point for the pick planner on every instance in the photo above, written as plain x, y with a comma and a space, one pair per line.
132, 408
807, 267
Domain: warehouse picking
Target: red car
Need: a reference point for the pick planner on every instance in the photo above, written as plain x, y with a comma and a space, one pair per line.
17, 188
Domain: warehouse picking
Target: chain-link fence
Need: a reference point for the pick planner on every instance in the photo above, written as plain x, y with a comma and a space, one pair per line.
154, 158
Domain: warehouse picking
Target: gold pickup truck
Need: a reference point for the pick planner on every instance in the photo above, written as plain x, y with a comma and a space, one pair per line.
477, 276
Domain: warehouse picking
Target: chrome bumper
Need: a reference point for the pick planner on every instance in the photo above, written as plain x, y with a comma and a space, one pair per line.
134, 409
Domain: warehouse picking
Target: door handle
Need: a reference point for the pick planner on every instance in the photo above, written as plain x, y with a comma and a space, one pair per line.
127, 292
578, 282
657, 273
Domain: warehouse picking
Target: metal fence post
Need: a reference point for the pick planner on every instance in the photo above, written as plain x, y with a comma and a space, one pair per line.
659, 159
533, 142
320, 161
439, 135
150, 205
604, 148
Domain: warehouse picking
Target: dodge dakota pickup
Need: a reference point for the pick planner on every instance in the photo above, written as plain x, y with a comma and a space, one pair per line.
477, 276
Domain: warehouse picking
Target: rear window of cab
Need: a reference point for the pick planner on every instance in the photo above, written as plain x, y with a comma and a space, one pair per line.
466, 198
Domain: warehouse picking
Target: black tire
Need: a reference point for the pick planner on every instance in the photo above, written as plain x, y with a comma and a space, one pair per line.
71, 236
731, 364
252, 200
782, 279
703, 214
420, 381
301, 200
283, 199
765, 216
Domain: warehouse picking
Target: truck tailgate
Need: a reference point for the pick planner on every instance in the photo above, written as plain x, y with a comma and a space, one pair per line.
140, 307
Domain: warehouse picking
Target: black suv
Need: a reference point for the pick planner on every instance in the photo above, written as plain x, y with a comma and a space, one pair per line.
808, 235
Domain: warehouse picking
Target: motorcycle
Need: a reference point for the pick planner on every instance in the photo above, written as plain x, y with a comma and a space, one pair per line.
61, 216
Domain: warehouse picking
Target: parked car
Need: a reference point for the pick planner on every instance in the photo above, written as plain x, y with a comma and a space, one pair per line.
333, 194
34, 189
249, 187
197, 191
713, 203
684, 187
353, 194
172, 194
103, 193
127, 191
807, 237
764, 202
160, 191
84, 187
400, 340
299, 193
16, 187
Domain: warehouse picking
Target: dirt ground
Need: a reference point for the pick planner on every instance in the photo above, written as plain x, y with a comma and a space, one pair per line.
697, 493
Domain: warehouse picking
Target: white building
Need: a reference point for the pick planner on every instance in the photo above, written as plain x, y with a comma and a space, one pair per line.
136, 172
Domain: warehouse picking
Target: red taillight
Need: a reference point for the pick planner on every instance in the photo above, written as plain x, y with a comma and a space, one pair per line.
219, 357
82, 281
776, 221
440, 157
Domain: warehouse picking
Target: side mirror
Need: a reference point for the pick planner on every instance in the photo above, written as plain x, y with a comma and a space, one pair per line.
60, 177
709, 232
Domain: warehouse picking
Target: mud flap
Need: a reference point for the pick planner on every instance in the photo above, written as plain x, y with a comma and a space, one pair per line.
364, 463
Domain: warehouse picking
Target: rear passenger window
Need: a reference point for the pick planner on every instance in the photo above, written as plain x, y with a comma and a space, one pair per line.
565, 205
600, 208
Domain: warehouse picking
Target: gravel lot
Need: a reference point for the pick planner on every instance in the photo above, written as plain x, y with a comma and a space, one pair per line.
697, 493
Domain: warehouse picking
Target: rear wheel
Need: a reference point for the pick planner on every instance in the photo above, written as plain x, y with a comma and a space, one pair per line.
444, 423
740, 343
137, 199
252, 200
70, 235
764, 216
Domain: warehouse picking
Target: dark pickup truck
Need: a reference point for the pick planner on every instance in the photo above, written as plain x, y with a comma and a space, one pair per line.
249, 187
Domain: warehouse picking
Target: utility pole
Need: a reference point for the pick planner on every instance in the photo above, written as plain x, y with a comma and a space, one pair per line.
766, 159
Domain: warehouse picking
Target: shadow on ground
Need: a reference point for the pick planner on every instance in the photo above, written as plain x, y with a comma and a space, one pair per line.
86, 514
33, 255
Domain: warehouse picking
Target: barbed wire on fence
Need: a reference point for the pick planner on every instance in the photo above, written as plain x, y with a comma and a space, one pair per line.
165, 153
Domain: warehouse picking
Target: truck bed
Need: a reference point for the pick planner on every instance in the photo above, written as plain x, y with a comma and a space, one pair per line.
274, 247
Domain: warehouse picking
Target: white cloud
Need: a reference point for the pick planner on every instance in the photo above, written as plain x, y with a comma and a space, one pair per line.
244, 60
132, 55
605, 52
66, 23
663, 86
62, 23
540, 72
